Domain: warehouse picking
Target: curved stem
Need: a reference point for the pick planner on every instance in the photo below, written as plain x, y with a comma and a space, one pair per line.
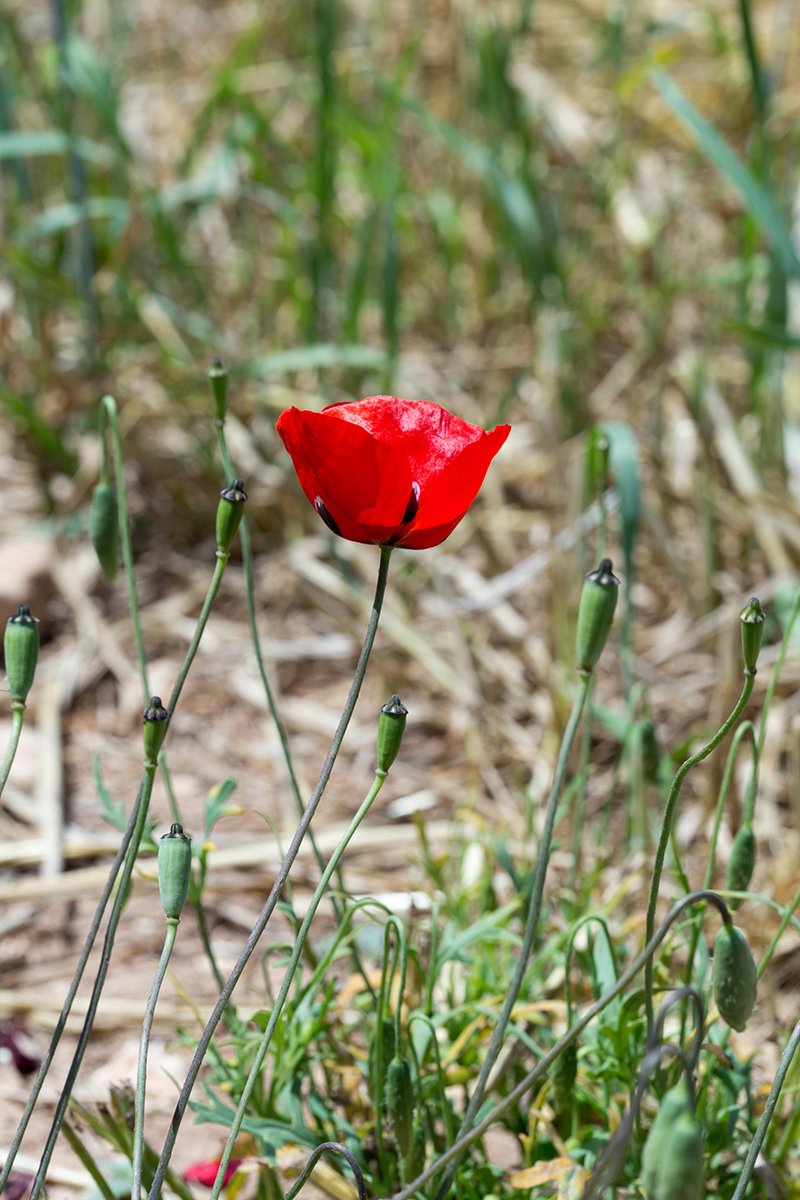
109, 404
666, 828
17, 717
73, 988
102, 971
277, 1008
531, 923
466, 1140
144, 1046
766, 1116
312, 1162
280, 879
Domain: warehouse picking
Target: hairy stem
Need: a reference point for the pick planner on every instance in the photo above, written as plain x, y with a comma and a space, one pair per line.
144, 1046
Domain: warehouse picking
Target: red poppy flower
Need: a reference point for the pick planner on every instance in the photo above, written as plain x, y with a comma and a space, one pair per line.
396, 472
206, 1172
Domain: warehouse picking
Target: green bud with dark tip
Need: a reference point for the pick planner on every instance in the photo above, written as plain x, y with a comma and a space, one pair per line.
154, 728
21, 652
174, 870
735, 976
562, 1075
595, 614
741, 863
218, 378
391, 724
229, 513
752, 618
400, 1103
104, 528
674, 1103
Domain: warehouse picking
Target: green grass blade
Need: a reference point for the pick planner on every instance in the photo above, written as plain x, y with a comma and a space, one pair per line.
716, 149
314, 358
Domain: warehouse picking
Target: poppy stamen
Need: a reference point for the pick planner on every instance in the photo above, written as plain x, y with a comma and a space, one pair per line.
412, 506
326, 516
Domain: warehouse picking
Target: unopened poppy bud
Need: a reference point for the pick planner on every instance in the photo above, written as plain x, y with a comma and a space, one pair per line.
741, 863
104, 528
735, 976
229, 513
21, 652
674, 1103
680, 1171
595, 614
155, 726
752, 618
218, 378
174, 870
391, 724
400, 1103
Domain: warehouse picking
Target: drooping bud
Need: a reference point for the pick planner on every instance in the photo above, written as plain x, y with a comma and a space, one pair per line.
104, 528
752, 618
680, 1171
174, 870
735, 976
21, 652
741, 863
400, 1103
674, 1103
218, 378
154, 728
229, 513
595, 614
391, 724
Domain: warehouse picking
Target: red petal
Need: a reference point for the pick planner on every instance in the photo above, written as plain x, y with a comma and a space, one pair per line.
206, 1172
364, 483
444, 502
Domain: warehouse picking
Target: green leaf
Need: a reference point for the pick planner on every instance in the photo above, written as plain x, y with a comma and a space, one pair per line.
38, 143
758, 200
66, 216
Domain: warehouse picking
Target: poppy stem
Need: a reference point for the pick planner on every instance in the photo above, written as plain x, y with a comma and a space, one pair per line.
17, 717
666, 828
531, 923
280, 880
144, 1045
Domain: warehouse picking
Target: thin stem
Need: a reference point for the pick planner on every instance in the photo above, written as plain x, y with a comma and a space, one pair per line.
73, 988
167, 777
531, 923
110, 406
203, 927
666, 828
202, 620
249, 591
297, 952
144, 1046
766, 1116
280, 879
17, 717
102, 971
457, 1149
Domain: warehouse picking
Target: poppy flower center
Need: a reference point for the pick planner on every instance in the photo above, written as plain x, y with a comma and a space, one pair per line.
412, 506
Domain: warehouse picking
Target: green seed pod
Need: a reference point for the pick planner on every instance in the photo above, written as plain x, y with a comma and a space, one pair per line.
680, 1170
21, 652
218, 378
674, 1103
595, 614
563, 1074
104, 528
752, 618
400, 1104
391, 724
174, 870
735, 976
741, 863
229, 513
155, 726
